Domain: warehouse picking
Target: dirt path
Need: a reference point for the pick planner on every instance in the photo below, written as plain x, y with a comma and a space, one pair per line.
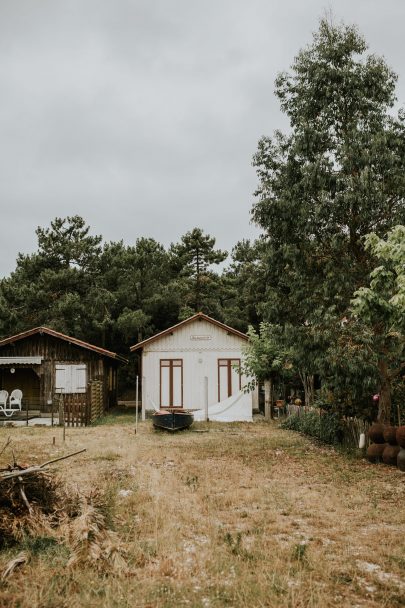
241, 515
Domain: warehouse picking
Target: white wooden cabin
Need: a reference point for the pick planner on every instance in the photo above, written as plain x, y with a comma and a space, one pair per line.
196, 365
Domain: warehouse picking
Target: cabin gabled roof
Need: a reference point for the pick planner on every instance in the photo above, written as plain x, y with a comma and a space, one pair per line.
199, 316
60, 336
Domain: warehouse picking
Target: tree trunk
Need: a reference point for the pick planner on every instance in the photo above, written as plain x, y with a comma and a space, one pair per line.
268, 390
308, 382
384, 404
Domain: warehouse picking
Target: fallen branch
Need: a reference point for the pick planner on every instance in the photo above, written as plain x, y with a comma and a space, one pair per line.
61, 458
35, 469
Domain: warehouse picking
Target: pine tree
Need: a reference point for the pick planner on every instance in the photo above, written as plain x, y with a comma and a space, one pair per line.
192, 259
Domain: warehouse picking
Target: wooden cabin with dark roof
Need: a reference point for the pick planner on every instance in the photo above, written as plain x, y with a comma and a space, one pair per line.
44, 364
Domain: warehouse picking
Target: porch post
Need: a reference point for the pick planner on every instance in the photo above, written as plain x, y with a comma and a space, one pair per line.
143, 398
206, 398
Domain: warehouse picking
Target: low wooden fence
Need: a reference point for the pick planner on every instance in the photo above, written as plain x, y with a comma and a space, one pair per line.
81, 409
75, 409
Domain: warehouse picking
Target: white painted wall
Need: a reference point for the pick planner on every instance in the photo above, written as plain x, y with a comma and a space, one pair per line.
200, 344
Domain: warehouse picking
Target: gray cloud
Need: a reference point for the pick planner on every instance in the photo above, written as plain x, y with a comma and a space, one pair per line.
143, 115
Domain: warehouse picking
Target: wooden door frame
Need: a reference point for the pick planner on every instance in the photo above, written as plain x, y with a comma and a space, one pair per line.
170, 382
229, 374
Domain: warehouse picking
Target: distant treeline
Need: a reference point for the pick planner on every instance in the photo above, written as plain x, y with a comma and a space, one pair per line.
114, 294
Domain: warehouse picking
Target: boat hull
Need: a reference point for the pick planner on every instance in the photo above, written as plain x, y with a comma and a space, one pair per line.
172, 421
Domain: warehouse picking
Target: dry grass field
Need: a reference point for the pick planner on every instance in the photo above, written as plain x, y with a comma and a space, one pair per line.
237, 515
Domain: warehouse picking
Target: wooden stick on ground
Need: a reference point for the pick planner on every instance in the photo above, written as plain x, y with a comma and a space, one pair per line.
35, 469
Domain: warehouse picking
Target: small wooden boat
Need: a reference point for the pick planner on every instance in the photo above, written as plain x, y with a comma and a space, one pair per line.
172, 420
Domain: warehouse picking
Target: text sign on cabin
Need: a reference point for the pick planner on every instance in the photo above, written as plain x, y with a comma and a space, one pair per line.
200, 337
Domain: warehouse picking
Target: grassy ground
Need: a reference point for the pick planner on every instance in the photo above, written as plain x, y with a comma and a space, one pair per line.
242, 515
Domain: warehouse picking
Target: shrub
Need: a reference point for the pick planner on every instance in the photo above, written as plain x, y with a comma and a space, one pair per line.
326, 427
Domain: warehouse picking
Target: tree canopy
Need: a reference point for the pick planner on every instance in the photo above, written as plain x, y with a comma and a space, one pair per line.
337, 175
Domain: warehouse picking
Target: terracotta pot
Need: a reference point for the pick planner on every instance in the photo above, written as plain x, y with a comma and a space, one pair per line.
376, 433
375, 452
390, 435
401, 459
401, 436
390, 454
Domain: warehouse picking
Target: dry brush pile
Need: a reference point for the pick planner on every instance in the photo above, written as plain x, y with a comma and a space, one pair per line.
37, 504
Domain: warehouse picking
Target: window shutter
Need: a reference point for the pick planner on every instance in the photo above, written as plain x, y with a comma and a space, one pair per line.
70, 378
79, 385
60, 378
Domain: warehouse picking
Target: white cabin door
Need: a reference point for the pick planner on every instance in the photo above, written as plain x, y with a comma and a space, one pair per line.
229, 378
171, 383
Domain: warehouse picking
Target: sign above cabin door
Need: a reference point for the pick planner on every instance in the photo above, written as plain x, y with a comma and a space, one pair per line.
229, 378
171, 383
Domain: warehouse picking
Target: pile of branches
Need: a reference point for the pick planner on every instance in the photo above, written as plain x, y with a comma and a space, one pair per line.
35, 503
32, 501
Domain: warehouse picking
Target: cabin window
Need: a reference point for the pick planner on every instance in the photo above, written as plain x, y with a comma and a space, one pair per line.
171, 382
70, 378
229, 378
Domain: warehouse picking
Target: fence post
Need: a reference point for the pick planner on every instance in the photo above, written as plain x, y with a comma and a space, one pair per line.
136, 405
143, 398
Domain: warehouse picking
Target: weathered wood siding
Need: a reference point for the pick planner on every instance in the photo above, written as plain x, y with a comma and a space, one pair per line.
53, 351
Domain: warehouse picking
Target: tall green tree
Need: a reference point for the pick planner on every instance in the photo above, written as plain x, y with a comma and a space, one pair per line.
138, 277
68, 244
192, 260
338, 174
51, 286
243, 286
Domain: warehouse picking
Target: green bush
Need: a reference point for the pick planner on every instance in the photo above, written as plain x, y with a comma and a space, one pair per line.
326, 427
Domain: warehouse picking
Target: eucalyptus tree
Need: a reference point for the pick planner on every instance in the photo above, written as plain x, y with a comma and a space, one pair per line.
338, 174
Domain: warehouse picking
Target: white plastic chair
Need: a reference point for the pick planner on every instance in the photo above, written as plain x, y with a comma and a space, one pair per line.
3, 400
15, 400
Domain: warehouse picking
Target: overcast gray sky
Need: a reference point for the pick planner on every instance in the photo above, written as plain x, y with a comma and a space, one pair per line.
143, 115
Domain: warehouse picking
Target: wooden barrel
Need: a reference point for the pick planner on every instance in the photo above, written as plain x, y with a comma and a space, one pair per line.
401, 436
390, 434
376, 433
390, 454
375, 452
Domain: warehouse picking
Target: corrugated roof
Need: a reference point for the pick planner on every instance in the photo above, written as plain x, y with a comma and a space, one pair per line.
70, 339
198, 316
20, 360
